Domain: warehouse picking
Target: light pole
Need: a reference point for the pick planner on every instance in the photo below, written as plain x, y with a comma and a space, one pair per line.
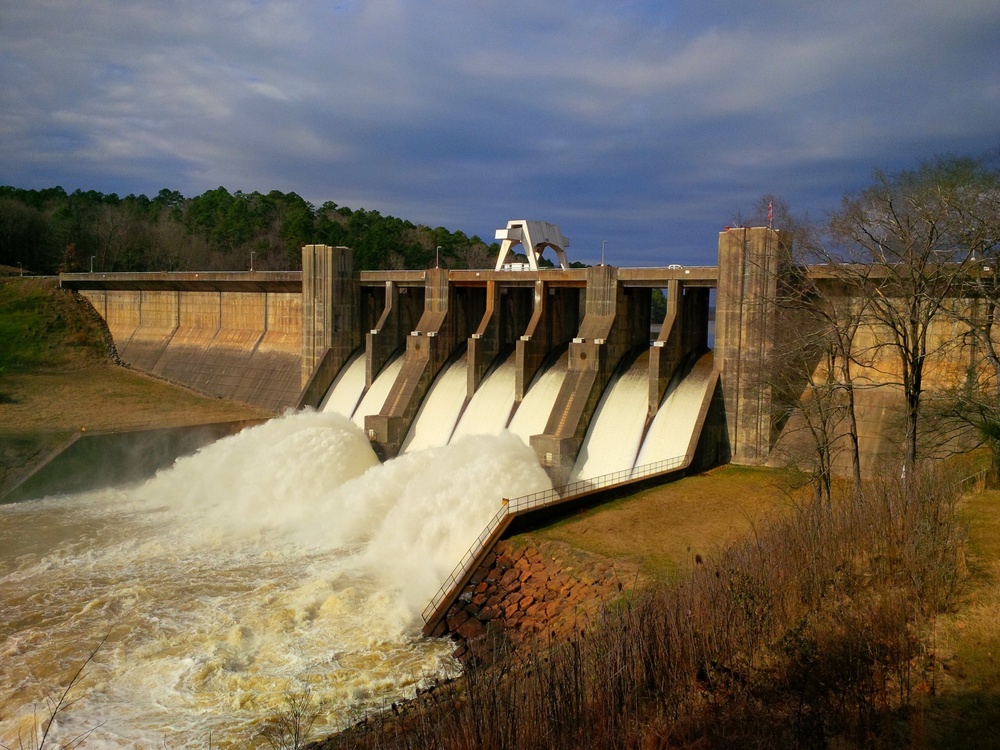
604, 244
251, 261
437, 257
21, 267
92, 263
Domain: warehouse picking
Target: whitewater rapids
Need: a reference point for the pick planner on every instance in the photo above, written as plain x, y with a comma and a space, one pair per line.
283, 558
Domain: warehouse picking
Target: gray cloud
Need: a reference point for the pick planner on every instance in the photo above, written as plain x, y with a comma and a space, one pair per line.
647, 124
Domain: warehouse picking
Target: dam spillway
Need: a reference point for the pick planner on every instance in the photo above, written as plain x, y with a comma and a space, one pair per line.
280, 339
232, 334
282, 558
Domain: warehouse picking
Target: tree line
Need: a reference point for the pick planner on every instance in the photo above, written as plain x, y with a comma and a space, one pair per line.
50, 230
898, 288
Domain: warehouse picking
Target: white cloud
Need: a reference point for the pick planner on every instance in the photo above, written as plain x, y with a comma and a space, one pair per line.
447, 111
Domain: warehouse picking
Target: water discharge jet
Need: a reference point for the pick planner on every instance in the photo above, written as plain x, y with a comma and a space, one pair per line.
282, 556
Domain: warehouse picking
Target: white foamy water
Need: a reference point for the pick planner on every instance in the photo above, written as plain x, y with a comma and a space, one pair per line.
377, 394
673, 426
345, 392
489, 410
441, 407
282, 557
535, 407
615, 430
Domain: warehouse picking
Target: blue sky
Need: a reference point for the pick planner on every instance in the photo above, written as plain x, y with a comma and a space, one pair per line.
645, 124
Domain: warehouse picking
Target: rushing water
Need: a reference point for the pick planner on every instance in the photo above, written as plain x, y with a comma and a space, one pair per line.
533, 413
615, 432
673, 427
280, 558
489, 409
346, 391
371, 402
439, 412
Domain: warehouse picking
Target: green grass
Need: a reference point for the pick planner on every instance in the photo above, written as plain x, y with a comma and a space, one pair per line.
43, 327
664, 529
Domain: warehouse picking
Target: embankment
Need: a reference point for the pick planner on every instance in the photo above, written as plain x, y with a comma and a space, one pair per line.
526, 590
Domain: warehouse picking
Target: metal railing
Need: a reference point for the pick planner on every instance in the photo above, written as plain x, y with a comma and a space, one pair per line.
976, 482
536, 500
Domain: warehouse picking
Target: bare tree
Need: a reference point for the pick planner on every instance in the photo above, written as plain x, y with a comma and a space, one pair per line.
974, 200
898, 246
289, 729
814, 357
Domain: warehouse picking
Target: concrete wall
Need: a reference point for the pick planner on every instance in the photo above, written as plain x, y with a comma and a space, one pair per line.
750, 265
880, 404
331, 308
748, 270
616, 321
240, 345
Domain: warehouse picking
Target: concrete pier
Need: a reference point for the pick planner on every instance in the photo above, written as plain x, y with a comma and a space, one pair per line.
748, 273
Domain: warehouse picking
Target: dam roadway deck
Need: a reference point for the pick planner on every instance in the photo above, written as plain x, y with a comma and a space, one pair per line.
187, 281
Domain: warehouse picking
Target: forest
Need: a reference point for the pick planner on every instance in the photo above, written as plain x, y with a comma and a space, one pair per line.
49, 231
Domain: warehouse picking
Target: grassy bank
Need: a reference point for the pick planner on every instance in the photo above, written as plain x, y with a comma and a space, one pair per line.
964, 710
665, 529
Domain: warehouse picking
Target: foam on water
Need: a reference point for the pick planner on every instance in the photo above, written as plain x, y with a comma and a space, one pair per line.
489, 410
345, 392
615, 431
281, 557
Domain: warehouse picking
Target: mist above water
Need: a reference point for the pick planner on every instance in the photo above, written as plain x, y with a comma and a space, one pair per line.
281, 557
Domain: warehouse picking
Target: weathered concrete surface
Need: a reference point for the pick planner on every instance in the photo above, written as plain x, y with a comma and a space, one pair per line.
748, 272
187, 281
880, 405
331, 310
449, 314
555, 320
616, 321
231, 339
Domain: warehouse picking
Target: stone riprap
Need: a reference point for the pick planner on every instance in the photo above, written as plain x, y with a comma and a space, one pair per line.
521, 593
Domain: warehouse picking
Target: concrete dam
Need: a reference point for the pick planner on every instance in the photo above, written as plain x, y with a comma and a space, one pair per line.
288, 554
562, 357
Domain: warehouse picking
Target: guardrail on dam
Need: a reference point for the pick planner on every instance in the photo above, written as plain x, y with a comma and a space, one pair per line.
279, 339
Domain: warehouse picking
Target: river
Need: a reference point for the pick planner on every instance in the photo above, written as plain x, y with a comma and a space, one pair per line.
279, 560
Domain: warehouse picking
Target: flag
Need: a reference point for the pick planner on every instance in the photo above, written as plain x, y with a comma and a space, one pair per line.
770, 214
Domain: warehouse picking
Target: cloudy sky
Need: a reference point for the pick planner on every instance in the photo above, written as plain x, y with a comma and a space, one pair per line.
648, 124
